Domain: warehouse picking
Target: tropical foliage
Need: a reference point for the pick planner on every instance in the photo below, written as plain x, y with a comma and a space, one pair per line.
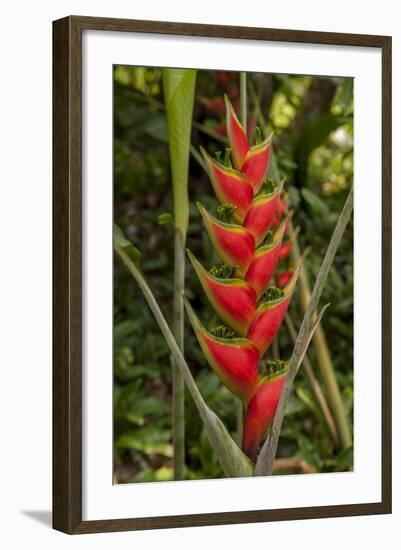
312, 123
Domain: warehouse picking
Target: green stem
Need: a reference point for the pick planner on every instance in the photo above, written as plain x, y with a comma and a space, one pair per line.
177, 378
232, 460
209, 132
264, 464
324, 360
256, 102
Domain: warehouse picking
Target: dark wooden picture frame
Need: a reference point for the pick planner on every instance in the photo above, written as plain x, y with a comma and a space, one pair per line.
67, 274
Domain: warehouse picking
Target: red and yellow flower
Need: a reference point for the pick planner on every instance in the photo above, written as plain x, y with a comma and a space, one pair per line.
249, 243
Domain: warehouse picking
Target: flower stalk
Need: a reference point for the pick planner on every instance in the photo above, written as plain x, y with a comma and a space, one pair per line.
179, 92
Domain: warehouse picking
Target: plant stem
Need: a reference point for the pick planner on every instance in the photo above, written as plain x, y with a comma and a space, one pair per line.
177, 378
232, 460
209, 132
324, 359
264, 464
179, 95
256, 103
315, 386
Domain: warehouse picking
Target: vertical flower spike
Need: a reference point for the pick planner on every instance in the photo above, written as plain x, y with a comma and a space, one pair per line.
234, 244
256, 164
233, 299
230, 186
269, 317
261, 214
236, 136
264, 263
261, 411
233, 287
235, 360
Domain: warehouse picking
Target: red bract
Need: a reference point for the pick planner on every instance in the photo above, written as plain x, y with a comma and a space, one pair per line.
264, 263
238, 287
256, 163
260, 215
269, 316
285, 250
282, 278
233, 243
235, 360
236, 136
233, 299
230, 186
260, 412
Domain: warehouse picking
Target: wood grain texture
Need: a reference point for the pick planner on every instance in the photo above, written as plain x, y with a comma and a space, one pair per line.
67, 273
67, 279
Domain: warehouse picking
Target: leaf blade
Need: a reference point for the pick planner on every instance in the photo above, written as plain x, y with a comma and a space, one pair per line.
179, 92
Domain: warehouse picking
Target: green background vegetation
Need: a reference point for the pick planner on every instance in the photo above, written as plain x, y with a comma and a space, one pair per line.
313, 139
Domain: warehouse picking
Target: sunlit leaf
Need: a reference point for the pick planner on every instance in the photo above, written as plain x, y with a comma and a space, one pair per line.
179, 93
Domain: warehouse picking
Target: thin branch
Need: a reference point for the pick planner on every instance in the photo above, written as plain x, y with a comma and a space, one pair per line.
323, 356
315, 386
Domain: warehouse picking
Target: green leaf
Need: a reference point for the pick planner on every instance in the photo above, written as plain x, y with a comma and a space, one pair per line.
121, 242
179, 94
318, 130
165, 218
315, 202
346, 95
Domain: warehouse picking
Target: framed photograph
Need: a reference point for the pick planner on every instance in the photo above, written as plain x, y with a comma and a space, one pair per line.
222, 275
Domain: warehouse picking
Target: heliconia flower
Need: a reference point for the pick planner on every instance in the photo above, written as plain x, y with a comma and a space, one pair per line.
282, 278
230, 186
241, 279
256, 164
236, 135
234, 360
233, 299
264, 263
234, 244
260, 215
269, 316
261, 410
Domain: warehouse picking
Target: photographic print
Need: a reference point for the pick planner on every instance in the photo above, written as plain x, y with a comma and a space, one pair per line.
222, 300
228, 188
